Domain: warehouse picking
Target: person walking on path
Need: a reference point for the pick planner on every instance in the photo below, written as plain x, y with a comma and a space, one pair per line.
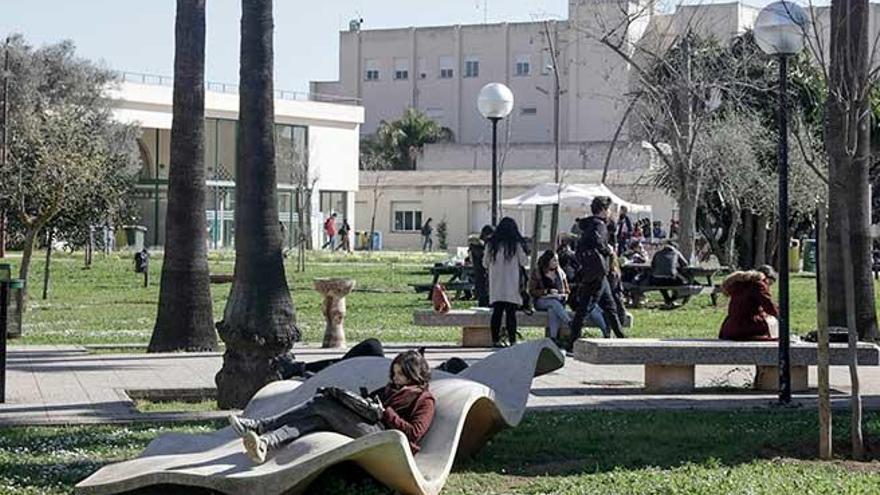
427, 232
477, 251
345, 236
505, 257
751, 313
330, 232
594, 254
548, 287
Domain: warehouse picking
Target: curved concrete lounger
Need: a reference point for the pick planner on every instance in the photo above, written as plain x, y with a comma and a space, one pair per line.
471, 407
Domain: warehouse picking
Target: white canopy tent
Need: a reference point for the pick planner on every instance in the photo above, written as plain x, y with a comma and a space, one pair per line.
575, 197
570, 196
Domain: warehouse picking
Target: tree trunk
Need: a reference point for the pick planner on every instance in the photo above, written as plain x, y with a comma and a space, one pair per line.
823, 352
373, 217
48, 264
760, 241
687, 214
259, 322
747, 246
860, 241
185, 320
27, 254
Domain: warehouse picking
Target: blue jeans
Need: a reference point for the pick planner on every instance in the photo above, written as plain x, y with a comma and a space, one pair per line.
556, 313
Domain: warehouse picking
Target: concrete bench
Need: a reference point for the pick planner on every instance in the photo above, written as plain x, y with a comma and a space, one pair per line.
669, 364
474, 323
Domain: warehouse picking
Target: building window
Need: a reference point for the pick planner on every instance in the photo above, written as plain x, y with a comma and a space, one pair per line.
401, 69
523, 67
472, 67
371, 70
407, 217
528, 111
446, 71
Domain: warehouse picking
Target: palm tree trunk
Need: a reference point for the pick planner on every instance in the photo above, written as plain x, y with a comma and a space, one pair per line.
185, 320
259, 322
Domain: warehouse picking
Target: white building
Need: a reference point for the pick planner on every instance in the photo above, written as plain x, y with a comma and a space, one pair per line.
319, 135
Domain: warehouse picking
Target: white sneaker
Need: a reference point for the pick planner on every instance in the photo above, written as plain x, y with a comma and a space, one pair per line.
256, 447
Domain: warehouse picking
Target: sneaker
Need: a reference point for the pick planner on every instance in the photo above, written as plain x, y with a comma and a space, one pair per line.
241, 425
256, 446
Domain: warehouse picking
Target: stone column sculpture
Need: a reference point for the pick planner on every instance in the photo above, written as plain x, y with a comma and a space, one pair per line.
334, 291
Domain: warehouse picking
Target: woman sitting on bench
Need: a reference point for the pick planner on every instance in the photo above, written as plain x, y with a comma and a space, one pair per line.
405, 404
751, 314
548, 287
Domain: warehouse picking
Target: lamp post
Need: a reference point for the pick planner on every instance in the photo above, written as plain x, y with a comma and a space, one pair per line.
779, 32
495, 102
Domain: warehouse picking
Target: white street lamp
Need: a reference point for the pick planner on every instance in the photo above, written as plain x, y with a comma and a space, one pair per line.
779, 31
495, 102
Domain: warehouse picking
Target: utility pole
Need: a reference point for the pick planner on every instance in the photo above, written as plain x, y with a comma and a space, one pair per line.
557, 91
3, 144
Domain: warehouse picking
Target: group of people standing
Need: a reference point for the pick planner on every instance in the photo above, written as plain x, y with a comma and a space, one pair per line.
338, 236
586, 278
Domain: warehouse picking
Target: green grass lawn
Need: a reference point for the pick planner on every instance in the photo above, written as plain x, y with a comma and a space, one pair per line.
107, 303
585, 452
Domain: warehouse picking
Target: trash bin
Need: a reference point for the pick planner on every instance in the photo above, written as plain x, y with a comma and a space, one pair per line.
809, 255
134, 237
377, 241
13, 302
794, 256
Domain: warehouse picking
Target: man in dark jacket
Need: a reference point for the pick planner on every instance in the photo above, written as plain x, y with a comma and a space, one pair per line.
593, 254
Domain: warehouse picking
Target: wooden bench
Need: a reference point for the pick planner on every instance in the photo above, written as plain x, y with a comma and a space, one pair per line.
221, 278
669, 364
474, 323
671, 293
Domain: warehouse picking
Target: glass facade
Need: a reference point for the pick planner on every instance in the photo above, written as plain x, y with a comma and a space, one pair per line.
291, 160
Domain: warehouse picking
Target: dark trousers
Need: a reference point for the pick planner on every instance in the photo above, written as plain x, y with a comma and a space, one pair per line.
318, 414
596, 293
481, 287
499, 310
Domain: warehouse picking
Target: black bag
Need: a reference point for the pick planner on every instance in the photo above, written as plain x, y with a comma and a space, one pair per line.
835, 335
369, 409
594, 266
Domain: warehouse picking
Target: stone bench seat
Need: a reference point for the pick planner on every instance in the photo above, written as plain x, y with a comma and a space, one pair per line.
475, 323
669, 364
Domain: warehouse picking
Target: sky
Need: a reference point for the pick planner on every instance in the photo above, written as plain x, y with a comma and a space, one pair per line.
138, 35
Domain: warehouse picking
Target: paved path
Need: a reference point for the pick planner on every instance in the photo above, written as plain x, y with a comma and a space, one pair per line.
70, 385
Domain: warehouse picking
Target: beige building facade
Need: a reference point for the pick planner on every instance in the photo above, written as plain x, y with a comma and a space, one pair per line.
440, 71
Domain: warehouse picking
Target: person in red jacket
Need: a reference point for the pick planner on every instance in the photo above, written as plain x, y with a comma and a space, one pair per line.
405, 404
751, 314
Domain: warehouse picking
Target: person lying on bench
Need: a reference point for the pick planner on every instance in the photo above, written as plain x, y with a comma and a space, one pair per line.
405, 404
751, 314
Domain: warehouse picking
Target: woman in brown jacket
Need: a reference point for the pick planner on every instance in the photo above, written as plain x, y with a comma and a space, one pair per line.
751, 313
548, 287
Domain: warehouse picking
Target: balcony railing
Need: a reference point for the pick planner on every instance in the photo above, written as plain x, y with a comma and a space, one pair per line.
221, 87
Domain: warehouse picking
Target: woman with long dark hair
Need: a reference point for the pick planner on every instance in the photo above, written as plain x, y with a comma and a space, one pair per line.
504, 258
549, 289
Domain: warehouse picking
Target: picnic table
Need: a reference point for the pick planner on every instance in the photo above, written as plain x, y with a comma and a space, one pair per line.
634, 286
460, 279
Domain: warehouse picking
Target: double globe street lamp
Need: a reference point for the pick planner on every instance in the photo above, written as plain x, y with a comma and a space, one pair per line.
779, 32
495, 102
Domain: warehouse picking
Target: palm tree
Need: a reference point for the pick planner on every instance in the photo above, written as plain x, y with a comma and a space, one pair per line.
185, 319
406, 137
259, 322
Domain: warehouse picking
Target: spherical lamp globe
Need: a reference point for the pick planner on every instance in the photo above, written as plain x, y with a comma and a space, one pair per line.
495, 101
780, 28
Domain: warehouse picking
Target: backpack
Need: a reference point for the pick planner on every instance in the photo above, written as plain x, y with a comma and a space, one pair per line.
440, 299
